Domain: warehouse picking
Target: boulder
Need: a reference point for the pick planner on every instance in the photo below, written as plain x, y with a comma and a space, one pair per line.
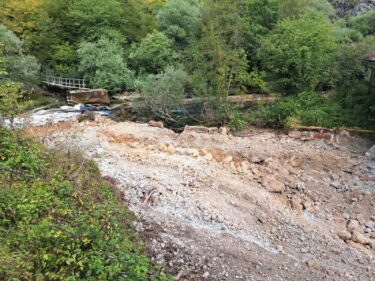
156, 124
344, 235
89, 96
360, 238
273, 185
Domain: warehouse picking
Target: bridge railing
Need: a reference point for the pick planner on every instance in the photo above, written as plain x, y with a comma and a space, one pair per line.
71, 83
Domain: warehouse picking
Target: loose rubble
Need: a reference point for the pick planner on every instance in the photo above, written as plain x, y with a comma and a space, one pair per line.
257, 206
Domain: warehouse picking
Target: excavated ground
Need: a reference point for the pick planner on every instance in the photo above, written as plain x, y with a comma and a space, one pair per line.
256, 206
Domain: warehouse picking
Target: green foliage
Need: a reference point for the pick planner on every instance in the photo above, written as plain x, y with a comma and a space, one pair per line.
181, 20
164, 92
59, 220
308, 109
296, 8
258, 18
364, 23
52, 28
153, 54
103, 65
19, 159
18, 66
298, 53
10, 94
238, 120
216, 60
68, 226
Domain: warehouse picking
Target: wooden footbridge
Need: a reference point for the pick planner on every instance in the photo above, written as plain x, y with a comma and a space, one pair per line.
64, 83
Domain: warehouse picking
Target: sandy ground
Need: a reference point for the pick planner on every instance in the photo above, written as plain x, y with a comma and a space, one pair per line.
256, 206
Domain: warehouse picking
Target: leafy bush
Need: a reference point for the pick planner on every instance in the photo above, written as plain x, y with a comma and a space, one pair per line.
308, 109
364, 23
65, 222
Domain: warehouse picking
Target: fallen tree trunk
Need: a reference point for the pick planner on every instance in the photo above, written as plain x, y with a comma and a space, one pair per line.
241, 100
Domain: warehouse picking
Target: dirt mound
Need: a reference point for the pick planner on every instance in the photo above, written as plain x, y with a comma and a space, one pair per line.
260, 206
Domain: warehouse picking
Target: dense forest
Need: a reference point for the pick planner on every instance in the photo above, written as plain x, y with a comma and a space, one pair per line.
170, 50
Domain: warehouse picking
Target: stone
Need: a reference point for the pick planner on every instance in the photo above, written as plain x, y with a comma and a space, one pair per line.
223, 130
307, 204
171, 149
87, 116
162, 147
346, 216
370, 224
368, 230
273, 185
353, 225
336, 185
297, 204
228, 159
89, 96
360, 238
371, 153
305, 250
344, 235
197, 129
208, 156
245, 166
213, 130
313, 264
156, 124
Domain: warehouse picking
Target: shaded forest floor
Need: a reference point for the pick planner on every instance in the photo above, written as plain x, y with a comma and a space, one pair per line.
256, 206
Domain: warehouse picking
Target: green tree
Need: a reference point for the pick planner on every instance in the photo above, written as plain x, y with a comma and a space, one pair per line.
103, 65
18, 66
216, 60
153, 54
298, 53
258, 18
180, 20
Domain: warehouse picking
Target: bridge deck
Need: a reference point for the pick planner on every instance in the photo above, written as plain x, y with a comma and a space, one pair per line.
64, 83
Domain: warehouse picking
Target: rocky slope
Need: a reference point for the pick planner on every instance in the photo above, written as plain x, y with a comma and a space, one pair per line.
256, 206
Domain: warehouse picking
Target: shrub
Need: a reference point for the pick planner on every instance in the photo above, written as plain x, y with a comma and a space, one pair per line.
307, 109
65, 223
364, 23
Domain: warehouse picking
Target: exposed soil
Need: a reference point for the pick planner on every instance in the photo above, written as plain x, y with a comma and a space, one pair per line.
257, 206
